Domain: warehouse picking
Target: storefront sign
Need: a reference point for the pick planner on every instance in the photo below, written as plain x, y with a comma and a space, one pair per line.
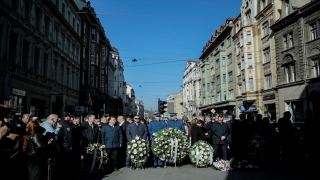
252, 108
18, 92
210, 107
269, 97
242, 109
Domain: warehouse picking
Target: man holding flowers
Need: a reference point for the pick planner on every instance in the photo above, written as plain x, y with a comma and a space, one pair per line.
155, 126
136, 129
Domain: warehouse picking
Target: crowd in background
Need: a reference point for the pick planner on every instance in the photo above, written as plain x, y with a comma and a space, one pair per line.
28, 145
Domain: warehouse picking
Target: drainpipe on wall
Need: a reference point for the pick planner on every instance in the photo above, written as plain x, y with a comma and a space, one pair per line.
305, 62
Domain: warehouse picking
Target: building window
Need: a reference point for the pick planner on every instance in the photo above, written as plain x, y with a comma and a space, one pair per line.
93, 35
218, 80
266, 55
231, 94
209, 101
225, 95
265, 29
290, 73
219, 97
224, 78
212, 85
229, 41
268, 81
249, 38
73, 23
239, 70
313, 31
46, 26
238, 48
316, 69
213, 99
223, 61
45, 64
222, 46
93, 60
287, 6
36, 60
285, 42
208, 86
290, 44
270, 111
204, 101
229, 58
25, 54
217, 64
250, 60
63, 10
251, 85
230, 77
38, 16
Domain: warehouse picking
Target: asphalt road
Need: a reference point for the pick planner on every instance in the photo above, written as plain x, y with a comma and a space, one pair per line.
189, 172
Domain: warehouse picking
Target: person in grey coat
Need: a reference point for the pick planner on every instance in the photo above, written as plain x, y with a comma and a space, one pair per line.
136, 129
113, 140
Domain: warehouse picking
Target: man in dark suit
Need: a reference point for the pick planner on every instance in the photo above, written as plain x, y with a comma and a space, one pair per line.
91, 133
208, 125
220, 131
112, 139
123, 124
234, 136
136, 129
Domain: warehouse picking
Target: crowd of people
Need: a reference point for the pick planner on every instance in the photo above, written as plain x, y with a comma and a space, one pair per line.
29, 145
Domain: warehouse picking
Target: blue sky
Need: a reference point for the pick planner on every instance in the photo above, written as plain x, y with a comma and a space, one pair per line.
161, 35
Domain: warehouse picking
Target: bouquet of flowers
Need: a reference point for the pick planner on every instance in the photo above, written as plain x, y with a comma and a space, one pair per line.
244, 164
222, 165
201, 153
137, 150
170, 145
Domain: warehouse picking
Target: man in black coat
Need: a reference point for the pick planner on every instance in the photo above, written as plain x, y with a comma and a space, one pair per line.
65, 142
91, 133
234, 136
208, 125
122, 151
136, 129
220, 131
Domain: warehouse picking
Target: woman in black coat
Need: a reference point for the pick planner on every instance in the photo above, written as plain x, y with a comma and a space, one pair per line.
34, 147
197, 132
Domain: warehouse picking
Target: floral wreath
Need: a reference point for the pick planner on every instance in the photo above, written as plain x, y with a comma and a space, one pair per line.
170, 145
201, 153
137, 150
102, 149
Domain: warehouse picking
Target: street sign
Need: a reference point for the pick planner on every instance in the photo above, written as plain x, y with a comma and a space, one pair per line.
79, 109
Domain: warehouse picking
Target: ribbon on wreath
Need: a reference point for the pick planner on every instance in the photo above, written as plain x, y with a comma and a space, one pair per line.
101, 158
197, 155
174, 144
211, 157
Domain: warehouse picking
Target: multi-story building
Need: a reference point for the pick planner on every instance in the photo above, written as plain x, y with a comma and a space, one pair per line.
218, 72
297, 57
95, 62
247, 93
191, 89
265, 57
170, 104
140, 108
130, 108
40, 48
177, 101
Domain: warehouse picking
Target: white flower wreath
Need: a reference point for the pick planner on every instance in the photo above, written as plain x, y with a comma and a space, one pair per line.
170, 145
137, 150
201, 154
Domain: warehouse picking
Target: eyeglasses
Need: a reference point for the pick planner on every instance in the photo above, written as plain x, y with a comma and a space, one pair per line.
136, 118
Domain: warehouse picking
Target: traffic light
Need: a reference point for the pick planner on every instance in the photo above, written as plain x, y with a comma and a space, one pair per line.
162, 105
